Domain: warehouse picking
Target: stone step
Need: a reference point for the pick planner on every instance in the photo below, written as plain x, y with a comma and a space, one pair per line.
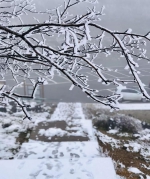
52, 131
40, 150
67, 123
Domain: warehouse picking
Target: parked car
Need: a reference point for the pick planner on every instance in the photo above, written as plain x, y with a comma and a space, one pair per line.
130, 94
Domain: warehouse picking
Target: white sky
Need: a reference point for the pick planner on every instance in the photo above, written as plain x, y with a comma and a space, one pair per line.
120, 14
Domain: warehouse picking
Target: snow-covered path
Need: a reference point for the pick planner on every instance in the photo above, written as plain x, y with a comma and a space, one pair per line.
46, 135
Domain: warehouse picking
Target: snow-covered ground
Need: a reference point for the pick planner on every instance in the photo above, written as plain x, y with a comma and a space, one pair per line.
10, 128
140, 145
133, 140
42, 160
84, 159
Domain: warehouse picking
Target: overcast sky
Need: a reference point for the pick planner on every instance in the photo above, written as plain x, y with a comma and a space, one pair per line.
120, 14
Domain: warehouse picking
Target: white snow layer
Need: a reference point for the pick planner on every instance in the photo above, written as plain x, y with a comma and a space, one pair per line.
39, 150
107, 140
67, 111
134, 170
82, 168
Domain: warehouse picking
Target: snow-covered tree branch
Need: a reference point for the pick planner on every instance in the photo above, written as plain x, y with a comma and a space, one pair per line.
28, 48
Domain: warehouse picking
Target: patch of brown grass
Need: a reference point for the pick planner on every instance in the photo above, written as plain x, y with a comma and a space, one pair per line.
128, 159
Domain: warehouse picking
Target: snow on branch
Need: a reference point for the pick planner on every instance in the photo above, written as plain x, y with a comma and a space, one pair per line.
73, 45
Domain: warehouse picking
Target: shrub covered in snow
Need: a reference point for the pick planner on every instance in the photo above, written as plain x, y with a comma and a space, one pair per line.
120, 121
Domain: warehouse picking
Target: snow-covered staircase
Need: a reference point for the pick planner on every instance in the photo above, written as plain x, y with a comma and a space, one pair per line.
67, 134
66, 124
62, 147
